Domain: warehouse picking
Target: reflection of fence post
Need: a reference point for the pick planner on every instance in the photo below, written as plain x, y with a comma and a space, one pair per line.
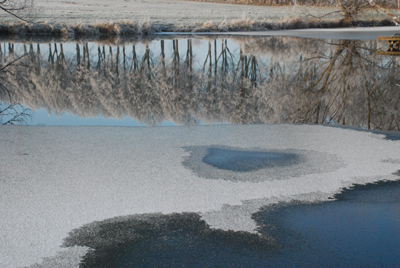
253, 71
31, 56
51, 56
111, 57
55, 50
134, 57
146, 59
62, 52
78, 55
10, 49
209, 54
176, 57
117, 61
39, 56
223, 54
84, 53
215, 58
190, 64
163, 58
87, 55
162, 49
99, 57
124, 55
271, 69
191, 55
177, 51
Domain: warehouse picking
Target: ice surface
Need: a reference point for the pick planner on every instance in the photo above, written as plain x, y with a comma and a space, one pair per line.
56, 179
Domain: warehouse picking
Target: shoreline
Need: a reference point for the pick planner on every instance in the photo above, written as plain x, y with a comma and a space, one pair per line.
130, 18
22, 31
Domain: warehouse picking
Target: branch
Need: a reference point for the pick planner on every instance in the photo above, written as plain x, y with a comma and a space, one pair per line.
13, 62
6, 10
394, 18
321, 17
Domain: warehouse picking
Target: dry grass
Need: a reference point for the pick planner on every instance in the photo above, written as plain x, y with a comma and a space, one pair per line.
310, 3
246, 24
145, 27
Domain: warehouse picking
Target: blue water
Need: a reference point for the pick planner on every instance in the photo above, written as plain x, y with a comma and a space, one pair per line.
244, 161
359, 229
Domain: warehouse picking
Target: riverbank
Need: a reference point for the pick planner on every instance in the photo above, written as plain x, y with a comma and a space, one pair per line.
130, 18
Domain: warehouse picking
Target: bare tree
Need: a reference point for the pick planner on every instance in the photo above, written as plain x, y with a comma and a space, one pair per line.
396, 19
355, 10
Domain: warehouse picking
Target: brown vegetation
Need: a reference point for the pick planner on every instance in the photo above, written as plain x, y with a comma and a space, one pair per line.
143, 28
351, 10
325, 3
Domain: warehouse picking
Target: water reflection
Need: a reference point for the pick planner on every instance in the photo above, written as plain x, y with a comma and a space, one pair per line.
188, 81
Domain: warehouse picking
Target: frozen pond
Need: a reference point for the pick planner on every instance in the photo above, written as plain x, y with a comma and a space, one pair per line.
232, 153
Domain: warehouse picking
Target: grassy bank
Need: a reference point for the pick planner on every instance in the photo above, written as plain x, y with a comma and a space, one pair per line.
146, 27
309, 3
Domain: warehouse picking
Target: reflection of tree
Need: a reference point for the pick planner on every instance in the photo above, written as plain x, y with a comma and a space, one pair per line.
10, 113
348, 86
268, 80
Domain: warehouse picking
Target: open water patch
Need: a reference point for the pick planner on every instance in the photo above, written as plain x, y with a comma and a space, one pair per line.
244, 161
360, 228
256, 164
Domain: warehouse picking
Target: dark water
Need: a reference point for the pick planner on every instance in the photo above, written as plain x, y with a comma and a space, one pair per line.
359, 229
243, 161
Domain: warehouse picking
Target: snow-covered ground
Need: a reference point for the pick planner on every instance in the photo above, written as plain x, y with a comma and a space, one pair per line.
176, 12
180, 14
56, 179
157, 11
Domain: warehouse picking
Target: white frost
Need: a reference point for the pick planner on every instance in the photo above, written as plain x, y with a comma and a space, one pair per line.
55, 179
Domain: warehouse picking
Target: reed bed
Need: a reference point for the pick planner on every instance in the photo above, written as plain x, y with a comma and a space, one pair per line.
144, 28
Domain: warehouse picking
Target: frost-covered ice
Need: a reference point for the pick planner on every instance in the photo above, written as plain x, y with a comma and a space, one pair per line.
56, 179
